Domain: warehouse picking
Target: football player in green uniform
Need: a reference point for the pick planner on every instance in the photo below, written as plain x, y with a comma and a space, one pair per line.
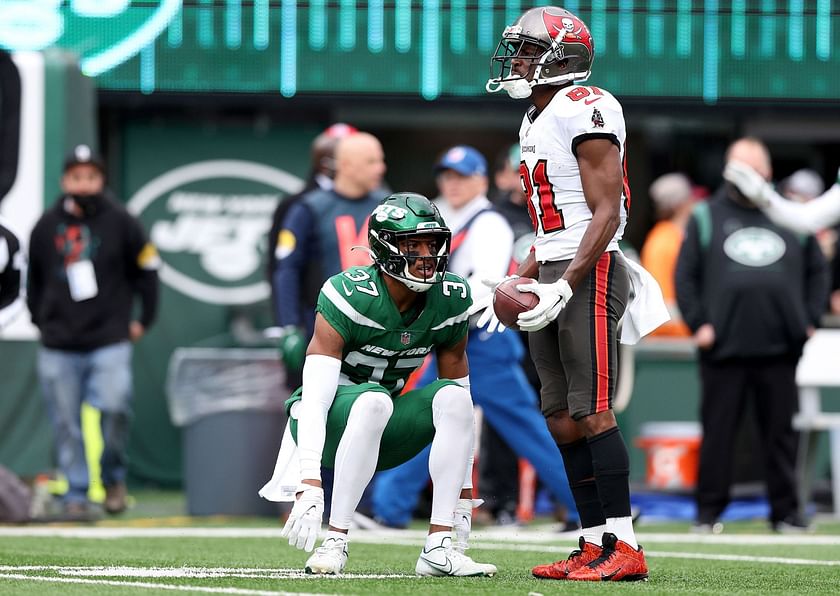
374, 326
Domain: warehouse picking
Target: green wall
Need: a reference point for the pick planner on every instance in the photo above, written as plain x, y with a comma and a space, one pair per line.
194, 242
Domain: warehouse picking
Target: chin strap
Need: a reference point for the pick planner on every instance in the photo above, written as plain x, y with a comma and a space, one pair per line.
365, 249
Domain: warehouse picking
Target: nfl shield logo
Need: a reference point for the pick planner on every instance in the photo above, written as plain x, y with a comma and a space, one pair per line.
405, 338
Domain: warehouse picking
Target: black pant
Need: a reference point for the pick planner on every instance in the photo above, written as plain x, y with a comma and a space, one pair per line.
771, 383
498, 473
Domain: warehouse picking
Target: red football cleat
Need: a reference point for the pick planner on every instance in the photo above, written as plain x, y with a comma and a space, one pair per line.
618, 562
587, 553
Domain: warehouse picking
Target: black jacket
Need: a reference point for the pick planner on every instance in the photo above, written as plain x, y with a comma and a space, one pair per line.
759, 285
124, 264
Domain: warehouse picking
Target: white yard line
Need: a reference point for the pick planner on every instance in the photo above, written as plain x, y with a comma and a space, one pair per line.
192, 572
152, 586
744, 558
400, 536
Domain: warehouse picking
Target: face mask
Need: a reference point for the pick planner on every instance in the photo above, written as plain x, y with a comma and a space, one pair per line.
89, 204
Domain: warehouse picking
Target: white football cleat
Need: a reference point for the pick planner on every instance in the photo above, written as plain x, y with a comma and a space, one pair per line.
329, 558
445, 560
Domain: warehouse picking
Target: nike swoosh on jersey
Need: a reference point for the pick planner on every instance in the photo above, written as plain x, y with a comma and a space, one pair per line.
347, 291
591, 101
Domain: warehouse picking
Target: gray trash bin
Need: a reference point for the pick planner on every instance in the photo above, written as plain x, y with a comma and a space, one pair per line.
229, 402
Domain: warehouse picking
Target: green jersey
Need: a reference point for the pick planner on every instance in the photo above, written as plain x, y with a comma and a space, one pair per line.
382, 345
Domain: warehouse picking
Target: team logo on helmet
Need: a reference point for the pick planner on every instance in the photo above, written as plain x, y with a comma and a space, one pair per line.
546, 46
571, 27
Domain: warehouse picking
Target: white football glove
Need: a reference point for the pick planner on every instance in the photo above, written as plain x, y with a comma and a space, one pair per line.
488, 317
305, 519
751, 184
553, 299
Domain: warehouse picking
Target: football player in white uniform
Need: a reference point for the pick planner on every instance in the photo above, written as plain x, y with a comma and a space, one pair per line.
572, 150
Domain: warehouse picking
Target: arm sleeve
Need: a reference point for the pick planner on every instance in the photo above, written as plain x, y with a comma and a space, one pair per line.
689, 278
320, 381
295, 247
143, 263
806, 218
490, 242
816, 281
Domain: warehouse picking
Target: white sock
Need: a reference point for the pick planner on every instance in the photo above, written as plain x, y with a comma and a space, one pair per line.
436, 539
594, 534
355, 459
452, 415
335, 536
622, 527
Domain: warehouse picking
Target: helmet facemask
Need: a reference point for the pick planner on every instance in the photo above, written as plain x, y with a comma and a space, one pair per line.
556, 47
398, 263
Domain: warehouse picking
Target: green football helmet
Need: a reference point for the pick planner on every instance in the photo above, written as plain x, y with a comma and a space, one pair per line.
400, 217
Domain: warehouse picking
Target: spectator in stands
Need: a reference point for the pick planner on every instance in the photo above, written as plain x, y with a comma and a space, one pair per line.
12, 266
751, 292
482, 244
672, 197
322, 173
89, 260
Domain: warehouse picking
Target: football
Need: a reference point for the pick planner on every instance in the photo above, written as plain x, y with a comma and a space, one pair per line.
509, 302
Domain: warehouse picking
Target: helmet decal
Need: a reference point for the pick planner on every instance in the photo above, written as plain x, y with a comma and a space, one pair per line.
553, 44
404, 219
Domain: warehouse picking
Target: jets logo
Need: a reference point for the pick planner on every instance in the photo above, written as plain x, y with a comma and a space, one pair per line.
104, 33
208, 221
384, 212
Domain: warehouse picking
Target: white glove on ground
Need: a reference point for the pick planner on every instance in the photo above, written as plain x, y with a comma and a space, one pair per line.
553, 299
751, 184
305, 519
488, 317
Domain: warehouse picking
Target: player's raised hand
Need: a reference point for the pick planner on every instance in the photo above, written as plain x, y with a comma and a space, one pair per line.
485, 306
305, 519
553, 298
751, 184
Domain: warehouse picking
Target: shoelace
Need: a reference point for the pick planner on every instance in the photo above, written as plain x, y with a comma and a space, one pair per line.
336, 545
606, 555
455, 555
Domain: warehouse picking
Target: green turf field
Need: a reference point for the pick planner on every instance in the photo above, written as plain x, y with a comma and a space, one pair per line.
153, 550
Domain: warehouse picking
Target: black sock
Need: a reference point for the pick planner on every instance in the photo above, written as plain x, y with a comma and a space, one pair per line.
578, 462
611, 465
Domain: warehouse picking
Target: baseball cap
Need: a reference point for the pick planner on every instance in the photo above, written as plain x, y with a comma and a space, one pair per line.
83, 154
463, 159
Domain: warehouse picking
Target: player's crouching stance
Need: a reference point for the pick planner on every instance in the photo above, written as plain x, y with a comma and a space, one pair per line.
374, 326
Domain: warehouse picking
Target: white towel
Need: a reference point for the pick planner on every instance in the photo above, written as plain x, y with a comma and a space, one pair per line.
647, 309
286, 477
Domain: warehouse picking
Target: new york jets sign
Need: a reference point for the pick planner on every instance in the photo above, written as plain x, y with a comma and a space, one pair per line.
209, 221
104, 33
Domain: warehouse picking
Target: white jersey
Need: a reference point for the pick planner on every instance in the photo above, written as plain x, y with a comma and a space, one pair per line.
552, 181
